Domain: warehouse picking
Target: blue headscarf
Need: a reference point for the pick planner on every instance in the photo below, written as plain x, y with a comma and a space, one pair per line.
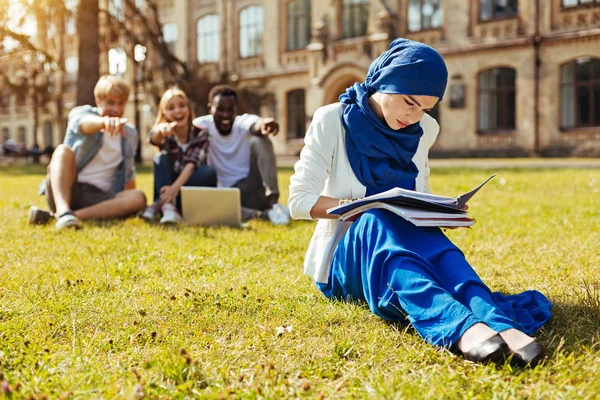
381, 157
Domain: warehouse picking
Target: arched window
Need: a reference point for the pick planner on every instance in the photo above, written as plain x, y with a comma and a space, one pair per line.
47, 133
5, 134
5, 99
497, 9
298, 15
496, 101
425, 14
208, 45
251, 31
580, 93
296, 114
22, 136
170, 35
355, 16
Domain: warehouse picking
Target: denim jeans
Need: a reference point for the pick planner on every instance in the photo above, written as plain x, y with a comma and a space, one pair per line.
164, 176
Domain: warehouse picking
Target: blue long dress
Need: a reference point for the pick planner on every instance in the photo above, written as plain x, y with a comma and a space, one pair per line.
407, 272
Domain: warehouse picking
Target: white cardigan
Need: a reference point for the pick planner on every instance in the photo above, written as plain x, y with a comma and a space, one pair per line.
324, 170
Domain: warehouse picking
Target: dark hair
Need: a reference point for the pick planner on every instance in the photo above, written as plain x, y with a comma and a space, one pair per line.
222, 90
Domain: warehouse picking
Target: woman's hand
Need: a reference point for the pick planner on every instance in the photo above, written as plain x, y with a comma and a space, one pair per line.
169, 193
166, 129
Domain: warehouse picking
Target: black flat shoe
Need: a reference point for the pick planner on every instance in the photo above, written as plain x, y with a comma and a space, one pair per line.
530, 355
493, 349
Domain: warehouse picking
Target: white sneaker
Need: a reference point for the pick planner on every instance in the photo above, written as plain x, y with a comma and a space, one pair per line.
67, 221
170, 215
279, 214
149, 213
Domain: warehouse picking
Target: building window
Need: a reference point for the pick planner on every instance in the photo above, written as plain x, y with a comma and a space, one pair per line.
71, 68
22, 136
116, 9
497, 9
48, 134
208, 45
251, 31
170, 36
298, 13
5, 134
496, 100
425, 14
117, 62
21, 100
296, 115
70, 26
355, 16
5, 100
577, 3
580, 93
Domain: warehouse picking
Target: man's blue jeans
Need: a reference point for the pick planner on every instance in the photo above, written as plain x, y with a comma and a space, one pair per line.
164, 176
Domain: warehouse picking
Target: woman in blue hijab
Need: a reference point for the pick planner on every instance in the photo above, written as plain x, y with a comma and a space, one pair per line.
378, 137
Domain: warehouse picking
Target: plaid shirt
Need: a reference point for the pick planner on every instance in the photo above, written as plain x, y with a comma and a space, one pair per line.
195, 153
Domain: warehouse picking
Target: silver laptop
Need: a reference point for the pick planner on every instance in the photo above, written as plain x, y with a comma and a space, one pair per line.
211, 206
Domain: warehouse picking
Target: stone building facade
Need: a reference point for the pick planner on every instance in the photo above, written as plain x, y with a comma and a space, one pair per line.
524, 75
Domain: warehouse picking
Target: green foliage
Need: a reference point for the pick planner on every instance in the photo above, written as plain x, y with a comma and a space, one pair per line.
125, 309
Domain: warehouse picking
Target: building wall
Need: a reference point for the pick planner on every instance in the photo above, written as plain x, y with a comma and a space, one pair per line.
535, 43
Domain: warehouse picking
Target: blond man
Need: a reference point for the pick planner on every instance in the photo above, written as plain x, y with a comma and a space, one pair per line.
92, 174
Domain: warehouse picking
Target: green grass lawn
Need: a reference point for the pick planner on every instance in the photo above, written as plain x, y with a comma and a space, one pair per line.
125, 309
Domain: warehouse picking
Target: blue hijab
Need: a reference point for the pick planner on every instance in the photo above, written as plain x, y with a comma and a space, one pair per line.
381, 157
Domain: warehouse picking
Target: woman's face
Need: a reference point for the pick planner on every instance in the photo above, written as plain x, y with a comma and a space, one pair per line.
177, 111
400, 110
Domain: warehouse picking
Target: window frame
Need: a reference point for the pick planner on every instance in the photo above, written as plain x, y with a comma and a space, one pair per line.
22, 135
592, 83
579, 5
48, 133
302, 14
494, 17
422, 29
248, 29
500, 128
288, 106
207, 37
346, 4
5, 97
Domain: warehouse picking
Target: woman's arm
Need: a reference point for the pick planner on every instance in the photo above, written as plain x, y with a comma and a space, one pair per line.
319, 210
313, 169
184, 176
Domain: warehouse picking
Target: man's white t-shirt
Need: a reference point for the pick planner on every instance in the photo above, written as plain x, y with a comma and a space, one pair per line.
229, 154
101, 170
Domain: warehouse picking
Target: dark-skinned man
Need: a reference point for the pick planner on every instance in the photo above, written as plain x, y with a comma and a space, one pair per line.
242, 154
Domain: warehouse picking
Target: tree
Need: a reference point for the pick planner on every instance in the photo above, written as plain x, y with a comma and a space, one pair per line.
133, 27
43, 55
88, 29
144, 27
